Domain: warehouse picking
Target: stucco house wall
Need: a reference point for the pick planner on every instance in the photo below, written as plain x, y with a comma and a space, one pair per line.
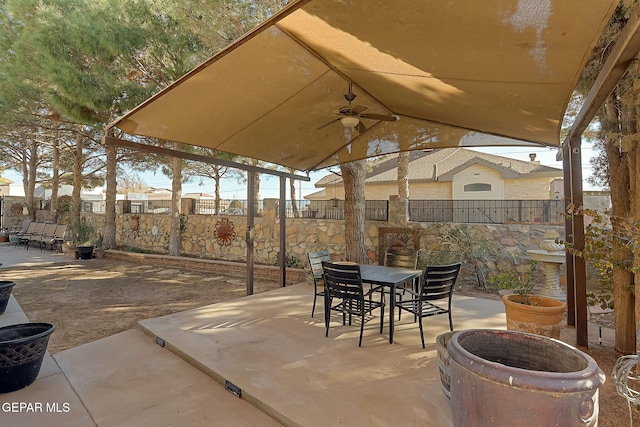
469, 183
457, 174
529, 188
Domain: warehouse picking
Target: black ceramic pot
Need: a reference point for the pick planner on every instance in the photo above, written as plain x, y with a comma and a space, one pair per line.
5, 292
85, 252
22, 349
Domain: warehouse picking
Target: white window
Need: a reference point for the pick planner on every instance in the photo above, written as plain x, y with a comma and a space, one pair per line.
477, 186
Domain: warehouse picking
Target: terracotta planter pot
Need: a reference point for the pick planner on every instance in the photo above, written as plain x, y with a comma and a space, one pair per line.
543, 318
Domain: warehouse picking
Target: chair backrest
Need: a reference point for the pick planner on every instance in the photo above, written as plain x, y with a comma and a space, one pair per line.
49, 230
38, 228
61, 230
31, 228
343, 280
406, 258
438, 281
25, 225
315, 262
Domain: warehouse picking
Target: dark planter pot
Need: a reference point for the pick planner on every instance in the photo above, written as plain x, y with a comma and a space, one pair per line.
517, 379
85, 252
5, 292
22, 349
444, 362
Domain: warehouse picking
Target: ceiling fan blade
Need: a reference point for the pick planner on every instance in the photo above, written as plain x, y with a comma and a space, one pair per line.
328, 123
358, 108
384, 117
361, 127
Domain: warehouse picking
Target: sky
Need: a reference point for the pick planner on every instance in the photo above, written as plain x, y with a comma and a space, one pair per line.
270, 185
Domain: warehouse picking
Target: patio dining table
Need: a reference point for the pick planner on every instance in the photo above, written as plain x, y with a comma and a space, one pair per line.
389, 277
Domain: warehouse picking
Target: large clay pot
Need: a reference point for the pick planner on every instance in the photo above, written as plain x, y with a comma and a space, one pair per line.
444, 362
5, 292
515, 379
542, 318
22, 349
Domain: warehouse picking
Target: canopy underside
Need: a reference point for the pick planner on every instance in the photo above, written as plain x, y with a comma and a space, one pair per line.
455, 73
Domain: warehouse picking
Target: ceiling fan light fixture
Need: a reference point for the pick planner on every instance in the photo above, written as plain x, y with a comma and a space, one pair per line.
349, 122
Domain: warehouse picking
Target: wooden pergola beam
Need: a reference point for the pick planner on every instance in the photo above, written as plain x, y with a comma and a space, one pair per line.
118, 142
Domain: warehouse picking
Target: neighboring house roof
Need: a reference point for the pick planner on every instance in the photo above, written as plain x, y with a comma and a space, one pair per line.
5, 181
441, 165
198, 196
318, 194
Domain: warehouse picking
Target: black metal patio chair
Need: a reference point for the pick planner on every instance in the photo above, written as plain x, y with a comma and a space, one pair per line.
436, 284
344, 282
403, 258
315, 262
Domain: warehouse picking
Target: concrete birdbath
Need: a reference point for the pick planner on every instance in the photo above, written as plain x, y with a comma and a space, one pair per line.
551, 256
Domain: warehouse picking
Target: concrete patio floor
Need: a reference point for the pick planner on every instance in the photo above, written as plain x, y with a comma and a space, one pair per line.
269, 347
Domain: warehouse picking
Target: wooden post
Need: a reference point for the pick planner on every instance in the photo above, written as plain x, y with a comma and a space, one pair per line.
577, 229
251, 213
568, 227
282, 213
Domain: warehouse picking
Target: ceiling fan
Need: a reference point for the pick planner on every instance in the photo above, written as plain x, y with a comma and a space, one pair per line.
350, 115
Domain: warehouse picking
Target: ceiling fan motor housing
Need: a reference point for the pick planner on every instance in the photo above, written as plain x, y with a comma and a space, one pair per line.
349, 97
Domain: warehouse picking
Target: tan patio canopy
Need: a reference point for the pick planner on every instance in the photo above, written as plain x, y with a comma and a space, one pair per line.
452, 73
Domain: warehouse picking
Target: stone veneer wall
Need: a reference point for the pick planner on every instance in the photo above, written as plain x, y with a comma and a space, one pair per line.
151, 232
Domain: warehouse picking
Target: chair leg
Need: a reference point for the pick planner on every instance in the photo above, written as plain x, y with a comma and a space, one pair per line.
450, 321
327, 314
313, 309
361, 329
421, 333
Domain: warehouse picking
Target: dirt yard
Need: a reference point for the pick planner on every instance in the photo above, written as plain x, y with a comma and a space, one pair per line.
95, 299
119, 294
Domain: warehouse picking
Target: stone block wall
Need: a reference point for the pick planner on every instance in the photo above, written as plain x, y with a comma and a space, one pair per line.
224, 237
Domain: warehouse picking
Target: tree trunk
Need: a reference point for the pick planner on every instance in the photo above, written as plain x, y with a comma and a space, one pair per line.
176, 188
292, 191
353, 175
55, 181
403, 175
216, 184
31, 180
256, 184
77, 181
109, 238
403, 187
623, 298
634, 291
